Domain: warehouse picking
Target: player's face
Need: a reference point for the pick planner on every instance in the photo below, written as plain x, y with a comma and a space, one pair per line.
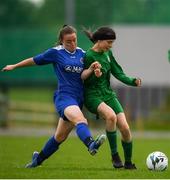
70, 42
105, 45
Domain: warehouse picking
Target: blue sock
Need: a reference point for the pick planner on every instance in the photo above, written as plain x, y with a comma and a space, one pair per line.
84, 134
50, 147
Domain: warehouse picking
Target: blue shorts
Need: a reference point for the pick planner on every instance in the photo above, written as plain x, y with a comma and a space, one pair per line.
62, 101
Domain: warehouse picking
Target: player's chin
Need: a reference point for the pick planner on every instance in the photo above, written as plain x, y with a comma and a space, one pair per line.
106, 49
72, 49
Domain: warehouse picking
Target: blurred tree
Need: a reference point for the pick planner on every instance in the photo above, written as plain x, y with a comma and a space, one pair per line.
51, 13
24, 13
16, 13
98, 12
141, 11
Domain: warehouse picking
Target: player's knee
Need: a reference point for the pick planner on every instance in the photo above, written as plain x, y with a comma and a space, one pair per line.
111, 118
83, 120
78, 120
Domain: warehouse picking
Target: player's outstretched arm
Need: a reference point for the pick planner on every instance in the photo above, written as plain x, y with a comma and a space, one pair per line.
24, 63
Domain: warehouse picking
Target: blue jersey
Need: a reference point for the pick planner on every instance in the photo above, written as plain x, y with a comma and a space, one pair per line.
67, 66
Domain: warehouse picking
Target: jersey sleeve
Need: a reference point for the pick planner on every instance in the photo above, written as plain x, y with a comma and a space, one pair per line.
118, 72
47, 57
88, 60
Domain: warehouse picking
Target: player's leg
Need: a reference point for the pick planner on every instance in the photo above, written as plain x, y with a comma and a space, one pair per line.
109, 116
126, 140
75, 115
52, 145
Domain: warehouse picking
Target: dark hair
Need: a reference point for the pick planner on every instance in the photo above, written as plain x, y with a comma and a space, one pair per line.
66, 29
102, 33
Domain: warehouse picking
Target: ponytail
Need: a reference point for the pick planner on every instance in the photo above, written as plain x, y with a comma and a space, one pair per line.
102, 33
89, 34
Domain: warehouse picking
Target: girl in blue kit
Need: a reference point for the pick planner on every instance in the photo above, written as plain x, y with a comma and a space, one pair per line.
67, 60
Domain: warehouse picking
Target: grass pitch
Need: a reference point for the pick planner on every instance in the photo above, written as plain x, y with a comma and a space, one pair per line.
72, 161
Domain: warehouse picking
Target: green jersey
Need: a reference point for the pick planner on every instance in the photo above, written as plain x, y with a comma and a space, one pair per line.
109, 66
99, 87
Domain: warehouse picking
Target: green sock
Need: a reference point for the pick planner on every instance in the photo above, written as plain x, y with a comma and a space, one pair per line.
127, 148
112, 137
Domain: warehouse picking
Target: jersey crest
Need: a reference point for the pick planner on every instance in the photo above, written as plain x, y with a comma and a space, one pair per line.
82, 60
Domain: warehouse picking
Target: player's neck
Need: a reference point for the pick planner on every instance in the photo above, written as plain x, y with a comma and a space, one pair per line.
96, 48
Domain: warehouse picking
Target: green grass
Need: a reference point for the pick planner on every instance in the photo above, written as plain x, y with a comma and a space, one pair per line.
73, 161
32, 94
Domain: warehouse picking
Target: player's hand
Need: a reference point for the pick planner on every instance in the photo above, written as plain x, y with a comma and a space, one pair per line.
97, 72
95, 65
8, 68
138, 82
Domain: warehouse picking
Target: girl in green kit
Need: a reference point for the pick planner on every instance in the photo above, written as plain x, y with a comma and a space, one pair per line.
101, 99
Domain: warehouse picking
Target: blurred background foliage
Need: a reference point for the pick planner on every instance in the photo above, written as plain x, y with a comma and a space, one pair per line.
25, 13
